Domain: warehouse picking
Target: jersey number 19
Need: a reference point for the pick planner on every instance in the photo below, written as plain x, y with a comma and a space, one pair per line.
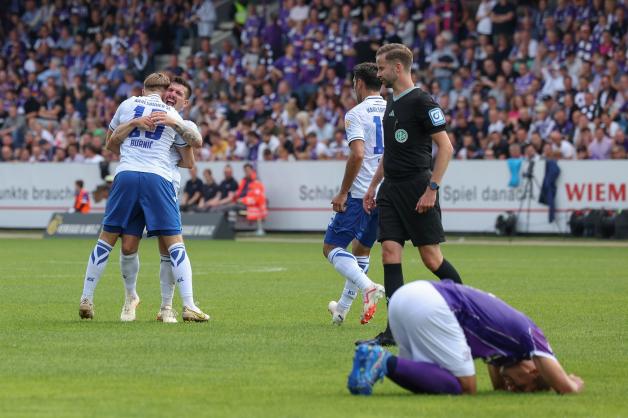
154, 135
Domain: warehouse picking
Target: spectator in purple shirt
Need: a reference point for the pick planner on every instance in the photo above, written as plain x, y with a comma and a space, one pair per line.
252, 26
287, 68
524, 81
272, 35
441, 327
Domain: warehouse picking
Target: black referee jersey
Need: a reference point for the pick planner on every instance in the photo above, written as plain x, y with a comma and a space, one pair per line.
409, 122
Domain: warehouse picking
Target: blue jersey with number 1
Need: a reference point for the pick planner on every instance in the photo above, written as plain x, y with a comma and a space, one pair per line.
146, 151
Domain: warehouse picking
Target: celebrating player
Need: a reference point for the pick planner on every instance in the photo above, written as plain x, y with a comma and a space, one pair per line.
441, 327
143, 184
177, 96
408, 197
351, 224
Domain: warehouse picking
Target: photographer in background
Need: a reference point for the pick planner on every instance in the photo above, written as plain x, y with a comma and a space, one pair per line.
82, 203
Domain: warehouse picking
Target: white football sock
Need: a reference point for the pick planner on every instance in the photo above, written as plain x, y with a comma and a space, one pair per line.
345, 263
364, 261
130, 267
348, 295
182, 271
166, 279
95, 267
350, 290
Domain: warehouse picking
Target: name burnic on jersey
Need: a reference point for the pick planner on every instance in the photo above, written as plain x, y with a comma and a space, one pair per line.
146, 151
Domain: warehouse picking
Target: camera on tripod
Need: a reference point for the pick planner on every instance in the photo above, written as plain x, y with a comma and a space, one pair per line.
529, 173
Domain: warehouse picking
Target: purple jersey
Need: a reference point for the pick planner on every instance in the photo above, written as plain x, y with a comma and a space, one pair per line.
496, 332
290, 69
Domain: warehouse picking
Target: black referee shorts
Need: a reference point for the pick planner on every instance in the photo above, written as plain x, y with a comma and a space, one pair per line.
398, 218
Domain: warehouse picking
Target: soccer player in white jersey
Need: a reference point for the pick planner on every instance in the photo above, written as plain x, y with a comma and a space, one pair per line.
351, 224
177, 96
143, 184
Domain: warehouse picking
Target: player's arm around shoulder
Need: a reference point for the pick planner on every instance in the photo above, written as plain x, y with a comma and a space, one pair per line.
118, 135
185, 129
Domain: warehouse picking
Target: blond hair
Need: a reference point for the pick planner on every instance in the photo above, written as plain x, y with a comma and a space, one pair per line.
397, 52
156, 81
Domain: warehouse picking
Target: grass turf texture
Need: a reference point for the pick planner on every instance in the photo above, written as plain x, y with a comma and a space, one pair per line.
269, 349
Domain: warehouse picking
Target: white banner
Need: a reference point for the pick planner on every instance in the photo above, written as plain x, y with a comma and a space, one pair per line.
30, 193
472, 195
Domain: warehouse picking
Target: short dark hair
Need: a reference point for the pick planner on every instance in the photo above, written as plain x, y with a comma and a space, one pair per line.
80, 183
397, 52
184, 83
367, 72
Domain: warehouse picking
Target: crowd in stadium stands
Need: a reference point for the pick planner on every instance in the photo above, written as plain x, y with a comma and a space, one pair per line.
549, 78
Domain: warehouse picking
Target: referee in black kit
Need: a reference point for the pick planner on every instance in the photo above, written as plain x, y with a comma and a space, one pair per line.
408, 197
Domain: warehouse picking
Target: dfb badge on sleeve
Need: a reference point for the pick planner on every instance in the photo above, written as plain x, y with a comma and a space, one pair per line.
437, 117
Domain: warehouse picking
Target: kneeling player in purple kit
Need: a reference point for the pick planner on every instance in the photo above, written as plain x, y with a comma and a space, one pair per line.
440, 327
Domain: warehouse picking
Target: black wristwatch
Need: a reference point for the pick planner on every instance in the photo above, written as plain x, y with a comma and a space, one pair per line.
434, 186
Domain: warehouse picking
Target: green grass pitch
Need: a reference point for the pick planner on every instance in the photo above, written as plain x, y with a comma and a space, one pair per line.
269, 349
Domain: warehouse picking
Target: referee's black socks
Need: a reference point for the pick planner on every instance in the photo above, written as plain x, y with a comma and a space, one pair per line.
393, 279
445, 271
